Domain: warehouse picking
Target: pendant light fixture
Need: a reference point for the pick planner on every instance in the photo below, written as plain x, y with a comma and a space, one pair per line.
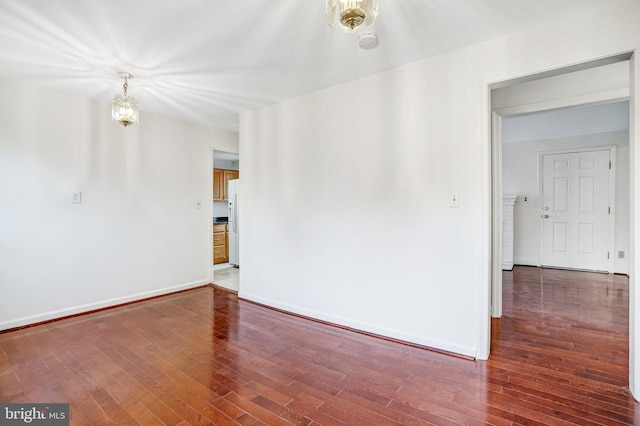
124, 109
352, 13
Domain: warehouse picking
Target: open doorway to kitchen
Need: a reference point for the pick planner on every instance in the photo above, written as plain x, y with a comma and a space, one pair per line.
224, 248
573, 101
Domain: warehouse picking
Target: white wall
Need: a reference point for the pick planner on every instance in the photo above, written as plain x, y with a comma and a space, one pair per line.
386, 152
521, 176
137, 231
220, 209
345, 206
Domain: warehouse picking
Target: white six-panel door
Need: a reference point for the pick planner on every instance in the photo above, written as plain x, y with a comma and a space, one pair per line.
576, 209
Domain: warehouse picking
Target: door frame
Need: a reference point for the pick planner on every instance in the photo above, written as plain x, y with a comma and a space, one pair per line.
492, 207
612, 196
496, 216
212, 266
212, 159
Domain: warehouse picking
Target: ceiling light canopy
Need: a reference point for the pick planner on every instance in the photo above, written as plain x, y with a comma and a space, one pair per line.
124, 109
352, 13
368, 40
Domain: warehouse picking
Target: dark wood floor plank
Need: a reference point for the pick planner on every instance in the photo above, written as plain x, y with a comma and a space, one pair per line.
149, 399
381, 409
256, 410
559, 356
317, 417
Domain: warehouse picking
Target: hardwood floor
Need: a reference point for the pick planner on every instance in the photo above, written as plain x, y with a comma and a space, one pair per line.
559, 356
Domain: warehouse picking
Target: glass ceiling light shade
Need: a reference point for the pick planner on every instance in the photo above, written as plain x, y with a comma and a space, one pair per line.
352, 13
124, 109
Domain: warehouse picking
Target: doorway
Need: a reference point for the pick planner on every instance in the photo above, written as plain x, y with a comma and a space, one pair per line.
501, 113
224, 266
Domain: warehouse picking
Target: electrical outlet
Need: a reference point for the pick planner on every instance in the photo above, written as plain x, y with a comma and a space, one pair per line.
525, 199
621, 254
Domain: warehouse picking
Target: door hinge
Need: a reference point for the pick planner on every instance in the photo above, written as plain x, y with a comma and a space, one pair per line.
607, 255
609, 209
609, 164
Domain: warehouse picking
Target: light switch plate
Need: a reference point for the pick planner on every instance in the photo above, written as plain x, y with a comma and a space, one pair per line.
76, 197
454, 199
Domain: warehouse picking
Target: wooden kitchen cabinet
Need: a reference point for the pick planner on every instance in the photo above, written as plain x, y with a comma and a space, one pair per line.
221, 178
227, 175
218, 187
220, 243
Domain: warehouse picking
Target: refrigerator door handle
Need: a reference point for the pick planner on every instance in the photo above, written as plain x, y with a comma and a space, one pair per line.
235, 212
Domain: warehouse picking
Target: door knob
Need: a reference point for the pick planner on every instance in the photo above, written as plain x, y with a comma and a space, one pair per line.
546, 209
546, 216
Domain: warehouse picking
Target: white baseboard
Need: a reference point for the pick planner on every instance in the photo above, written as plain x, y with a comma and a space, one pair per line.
222, 266
363, 326
525, 261
74, 310
621, 269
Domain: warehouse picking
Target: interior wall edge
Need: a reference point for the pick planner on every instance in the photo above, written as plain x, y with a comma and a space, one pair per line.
634, 210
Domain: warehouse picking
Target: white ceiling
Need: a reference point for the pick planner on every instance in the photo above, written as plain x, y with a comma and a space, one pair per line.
208, 60
565, 122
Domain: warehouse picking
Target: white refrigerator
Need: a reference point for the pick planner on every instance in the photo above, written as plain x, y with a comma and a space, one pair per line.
232, 193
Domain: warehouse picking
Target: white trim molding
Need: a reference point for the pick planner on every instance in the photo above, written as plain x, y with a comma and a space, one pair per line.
89, 307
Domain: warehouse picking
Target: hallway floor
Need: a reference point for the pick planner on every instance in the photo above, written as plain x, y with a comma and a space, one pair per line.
228, 278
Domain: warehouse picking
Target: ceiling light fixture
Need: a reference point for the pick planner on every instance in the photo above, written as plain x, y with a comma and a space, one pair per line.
352, 13
124, 109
